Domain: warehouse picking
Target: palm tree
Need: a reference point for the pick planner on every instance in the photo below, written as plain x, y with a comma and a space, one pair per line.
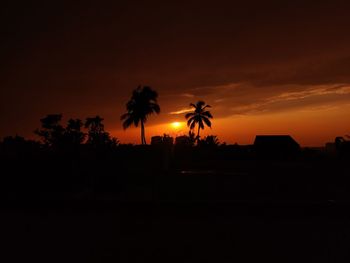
143, 102
199, 116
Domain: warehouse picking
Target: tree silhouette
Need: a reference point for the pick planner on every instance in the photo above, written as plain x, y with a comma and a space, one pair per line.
209, 141
96, 131
19, 145
199, 116
94, 124
143, 102
51, 130
73, 133
55, 135
97, 136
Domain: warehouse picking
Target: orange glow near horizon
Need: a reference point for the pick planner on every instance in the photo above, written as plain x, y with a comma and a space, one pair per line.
309, 128
257, 77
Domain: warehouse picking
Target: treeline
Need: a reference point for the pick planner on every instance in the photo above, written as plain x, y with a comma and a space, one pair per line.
78, 156
80, 147
78, 139
53, 134
79, 159
91, 133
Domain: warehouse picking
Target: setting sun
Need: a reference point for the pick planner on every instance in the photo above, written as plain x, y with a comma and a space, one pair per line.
176, 125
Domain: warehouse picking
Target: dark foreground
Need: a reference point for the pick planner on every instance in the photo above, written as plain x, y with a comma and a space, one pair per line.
196, 232
242, 211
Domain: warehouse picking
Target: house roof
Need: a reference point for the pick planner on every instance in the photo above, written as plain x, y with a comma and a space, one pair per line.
275, 141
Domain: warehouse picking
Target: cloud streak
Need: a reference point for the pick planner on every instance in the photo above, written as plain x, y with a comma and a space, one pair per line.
245, 98
182, 111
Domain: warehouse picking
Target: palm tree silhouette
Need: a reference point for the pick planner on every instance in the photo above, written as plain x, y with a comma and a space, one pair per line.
199, 116
143, 102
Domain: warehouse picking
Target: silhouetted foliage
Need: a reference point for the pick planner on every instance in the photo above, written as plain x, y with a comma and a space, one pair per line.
69, 138
14, 145
96, 132
342, 147
73, 134
165, 140
184, 141
168, 140
97, 136
51, 131
209, 141
199, 116
157, 140
143, 102
13, 141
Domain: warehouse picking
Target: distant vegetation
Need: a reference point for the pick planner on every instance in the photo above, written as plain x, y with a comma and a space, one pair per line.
56, 136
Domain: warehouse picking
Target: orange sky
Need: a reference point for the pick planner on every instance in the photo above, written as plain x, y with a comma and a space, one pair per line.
310, 127
265, 67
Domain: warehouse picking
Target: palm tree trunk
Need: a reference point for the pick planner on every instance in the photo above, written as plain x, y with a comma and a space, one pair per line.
143, 138
141, 133
198, 132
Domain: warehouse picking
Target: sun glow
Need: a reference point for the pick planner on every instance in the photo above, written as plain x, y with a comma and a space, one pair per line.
176, 125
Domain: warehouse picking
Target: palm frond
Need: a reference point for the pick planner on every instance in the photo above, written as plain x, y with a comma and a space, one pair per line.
136, 121
201, 125
190, 114
207, 114
155, 107
206, 106
192, 119
193, 124
192, 105
143, 102
124, 116
207, 121
127, 123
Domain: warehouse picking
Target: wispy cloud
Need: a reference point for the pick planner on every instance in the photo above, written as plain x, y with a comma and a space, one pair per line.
312, 91
310, 98
248, 99
187, 95
182, 111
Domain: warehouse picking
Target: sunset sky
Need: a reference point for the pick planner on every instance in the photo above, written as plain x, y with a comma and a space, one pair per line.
265, 67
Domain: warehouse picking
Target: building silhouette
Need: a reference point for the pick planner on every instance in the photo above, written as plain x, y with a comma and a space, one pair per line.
276, 146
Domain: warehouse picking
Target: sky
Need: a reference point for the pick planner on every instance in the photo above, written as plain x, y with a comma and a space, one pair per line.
265, 67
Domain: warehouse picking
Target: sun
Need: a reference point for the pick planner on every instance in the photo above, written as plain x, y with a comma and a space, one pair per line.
176, 125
